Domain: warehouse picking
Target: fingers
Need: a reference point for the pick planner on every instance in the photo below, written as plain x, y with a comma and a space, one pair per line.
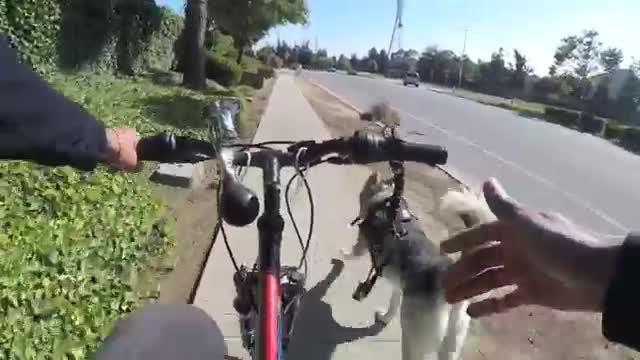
487, 281
500, 203
497, 305
474, 274
471, 238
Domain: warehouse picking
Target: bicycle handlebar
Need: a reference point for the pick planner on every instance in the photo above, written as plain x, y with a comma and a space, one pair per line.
239, 204
360, 148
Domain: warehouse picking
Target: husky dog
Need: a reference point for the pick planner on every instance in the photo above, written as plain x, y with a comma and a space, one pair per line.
413, 264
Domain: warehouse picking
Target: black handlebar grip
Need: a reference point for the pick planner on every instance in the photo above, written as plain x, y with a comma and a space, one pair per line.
158, 147
429, 154
239, 204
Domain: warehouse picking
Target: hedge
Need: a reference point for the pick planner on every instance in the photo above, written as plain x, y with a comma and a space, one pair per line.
223, 70
90, 34
613, 131
630, 138
591, 124
570, 119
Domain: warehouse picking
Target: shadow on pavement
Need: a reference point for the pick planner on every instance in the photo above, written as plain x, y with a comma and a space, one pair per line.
317, 334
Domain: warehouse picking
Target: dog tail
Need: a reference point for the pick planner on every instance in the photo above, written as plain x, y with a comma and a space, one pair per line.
467, 206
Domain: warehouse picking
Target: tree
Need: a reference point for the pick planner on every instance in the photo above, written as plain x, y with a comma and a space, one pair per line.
371, 65
628, 100
305, 54
343, 63
579, 54
383, 62
194, 38
610, 59
354, 61
321, 60
635, 67
373, 54
265, 53
520, 71
283, 51
250, 20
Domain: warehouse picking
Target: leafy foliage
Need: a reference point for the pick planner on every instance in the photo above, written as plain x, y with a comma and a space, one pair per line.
249, 20
223, 70
32, 27
79, 34
76, 248
610, 59
579, 54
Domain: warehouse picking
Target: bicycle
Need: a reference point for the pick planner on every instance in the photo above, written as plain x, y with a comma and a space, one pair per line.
268, 295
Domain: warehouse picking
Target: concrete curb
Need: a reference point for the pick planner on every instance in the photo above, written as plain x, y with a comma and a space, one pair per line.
451, 174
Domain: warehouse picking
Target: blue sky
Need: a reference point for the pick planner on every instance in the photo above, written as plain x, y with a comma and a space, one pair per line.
533, 27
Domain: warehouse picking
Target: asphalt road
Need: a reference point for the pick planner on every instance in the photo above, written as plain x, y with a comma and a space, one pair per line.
591, 181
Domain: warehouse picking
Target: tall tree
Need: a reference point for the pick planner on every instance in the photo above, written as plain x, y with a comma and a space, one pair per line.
579, 54
373, 54
343, 63
628, 100
520, 70
610, 59
194, 38
283, 51
635, 66
250, 20
383, 62
354, 61
305, 54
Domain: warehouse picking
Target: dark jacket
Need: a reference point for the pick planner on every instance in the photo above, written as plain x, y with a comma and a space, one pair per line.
621, 317
39, 124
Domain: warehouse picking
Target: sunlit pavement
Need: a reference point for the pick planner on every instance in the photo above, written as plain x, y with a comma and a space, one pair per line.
330, 324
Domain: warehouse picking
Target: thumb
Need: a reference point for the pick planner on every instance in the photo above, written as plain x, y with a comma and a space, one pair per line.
500, 203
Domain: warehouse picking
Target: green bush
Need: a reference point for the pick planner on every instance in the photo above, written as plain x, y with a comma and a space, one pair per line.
89, 34
223, 70
613, 131
630, 138
79, 250
591, 124
275, 62
32, 27
569, 119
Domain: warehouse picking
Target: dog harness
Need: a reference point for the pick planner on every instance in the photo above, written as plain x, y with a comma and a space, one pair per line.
382, 221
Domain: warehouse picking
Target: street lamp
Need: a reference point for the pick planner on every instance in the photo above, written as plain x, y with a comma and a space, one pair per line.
464, 48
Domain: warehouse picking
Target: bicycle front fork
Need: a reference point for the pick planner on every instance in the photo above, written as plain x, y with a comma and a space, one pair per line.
291, 290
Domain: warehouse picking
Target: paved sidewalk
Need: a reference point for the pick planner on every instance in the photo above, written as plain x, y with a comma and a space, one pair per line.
330, 325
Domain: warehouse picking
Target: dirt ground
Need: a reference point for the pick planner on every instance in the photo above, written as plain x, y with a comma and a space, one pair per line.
194, 216
527, 333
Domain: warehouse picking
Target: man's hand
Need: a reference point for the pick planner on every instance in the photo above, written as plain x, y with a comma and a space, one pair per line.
551, 261
121, 148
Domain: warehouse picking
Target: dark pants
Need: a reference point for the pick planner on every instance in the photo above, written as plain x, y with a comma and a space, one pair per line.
164, 332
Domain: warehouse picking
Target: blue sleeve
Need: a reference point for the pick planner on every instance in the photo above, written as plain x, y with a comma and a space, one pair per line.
39, 124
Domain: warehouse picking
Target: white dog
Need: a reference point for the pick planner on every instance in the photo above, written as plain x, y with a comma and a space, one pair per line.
414, 265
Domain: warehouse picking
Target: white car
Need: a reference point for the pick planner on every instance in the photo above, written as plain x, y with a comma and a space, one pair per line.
411, 78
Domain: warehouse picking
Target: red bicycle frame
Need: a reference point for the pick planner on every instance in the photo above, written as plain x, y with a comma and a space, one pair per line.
270, 227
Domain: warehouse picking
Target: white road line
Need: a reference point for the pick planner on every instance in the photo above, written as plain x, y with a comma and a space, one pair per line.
599, 213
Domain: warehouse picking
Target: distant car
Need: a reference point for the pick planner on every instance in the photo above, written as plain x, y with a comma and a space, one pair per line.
332, 69
411, 78
352, 72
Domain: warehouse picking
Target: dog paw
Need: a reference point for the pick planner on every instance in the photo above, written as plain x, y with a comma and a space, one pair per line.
382, 318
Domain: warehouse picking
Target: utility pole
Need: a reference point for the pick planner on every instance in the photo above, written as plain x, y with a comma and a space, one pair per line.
464, 48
